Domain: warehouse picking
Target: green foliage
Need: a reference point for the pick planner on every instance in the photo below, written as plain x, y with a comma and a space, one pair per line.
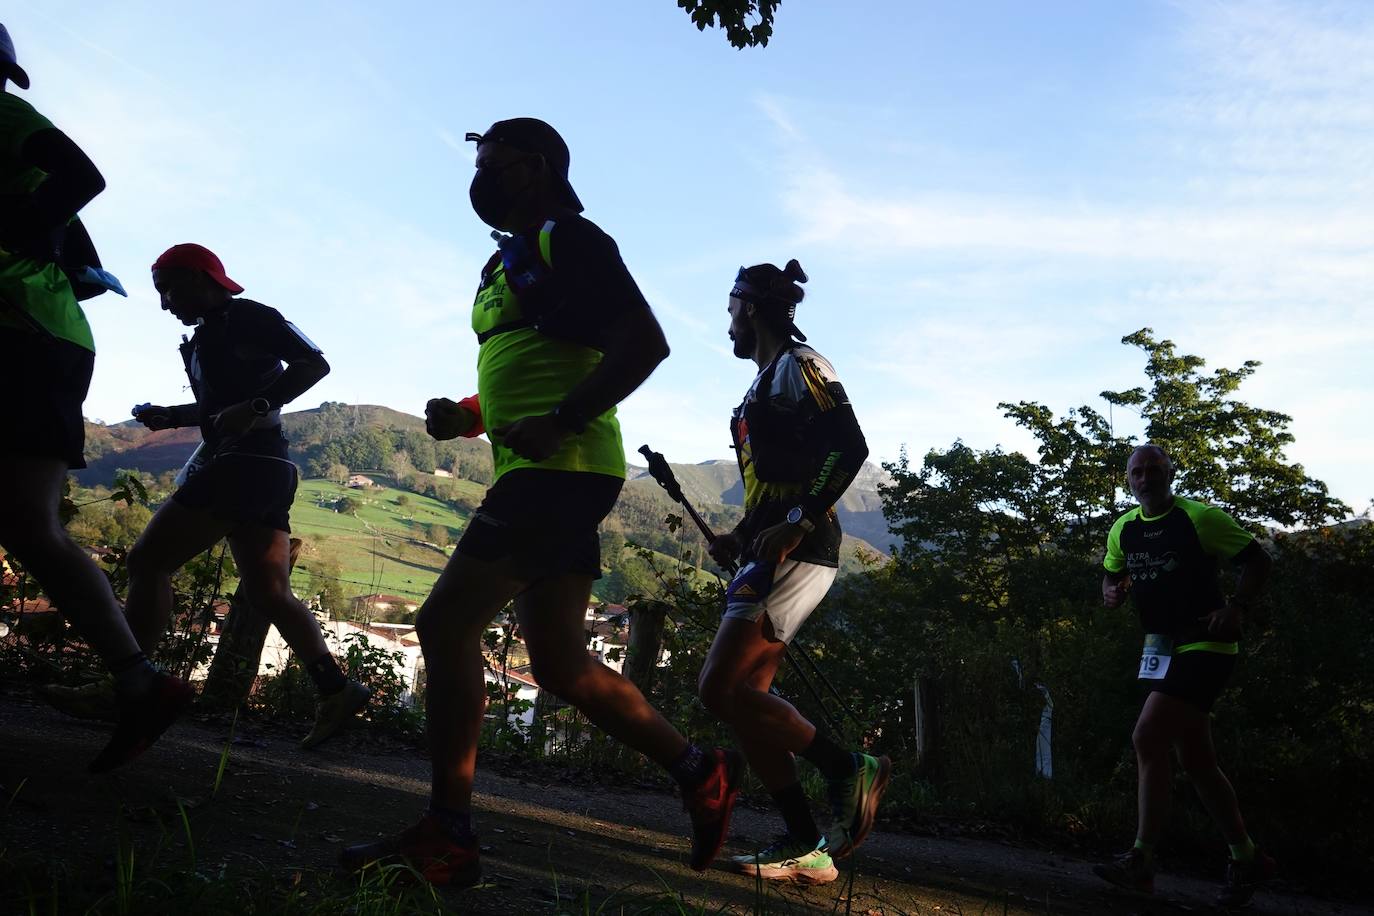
733, 16
1228, 452
392, 706
1001, 565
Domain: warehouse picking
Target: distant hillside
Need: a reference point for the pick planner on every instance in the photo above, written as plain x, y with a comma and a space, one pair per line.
717, 483
370, 438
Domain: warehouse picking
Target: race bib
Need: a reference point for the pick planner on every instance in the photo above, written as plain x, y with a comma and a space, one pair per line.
1155, 657
198, 460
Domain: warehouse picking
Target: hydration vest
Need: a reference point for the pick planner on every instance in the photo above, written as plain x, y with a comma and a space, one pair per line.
517, 286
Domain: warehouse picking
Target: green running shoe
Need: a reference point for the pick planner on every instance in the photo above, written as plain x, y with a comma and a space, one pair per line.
335, 711
854, 802
786, 859
95, 700
1131, 870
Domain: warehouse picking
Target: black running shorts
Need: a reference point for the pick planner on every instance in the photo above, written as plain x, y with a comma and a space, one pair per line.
245, 489
44, 383
545, 521
1196, 677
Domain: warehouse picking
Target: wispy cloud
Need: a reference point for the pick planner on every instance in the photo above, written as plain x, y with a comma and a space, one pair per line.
1259, 244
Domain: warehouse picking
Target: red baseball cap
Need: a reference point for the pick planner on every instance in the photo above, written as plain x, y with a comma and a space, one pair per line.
197, 257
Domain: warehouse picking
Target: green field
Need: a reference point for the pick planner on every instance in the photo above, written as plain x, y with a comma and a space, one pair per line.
383, 547
379, 548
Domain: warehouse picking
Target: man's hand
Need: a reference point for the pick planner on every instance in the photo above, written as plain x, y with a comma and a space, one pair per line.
1114, 592
777, 541
236, 419
1223, 623
153, 416
725, 548
534, 438
445, 419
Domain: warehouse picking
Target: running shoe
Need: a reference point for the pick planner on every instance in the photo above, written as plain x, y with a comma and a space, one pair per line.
786, 859
1131, 870
854, 802
710, 804
334, 711
142, 718
95, 700
1243, 879
425, 847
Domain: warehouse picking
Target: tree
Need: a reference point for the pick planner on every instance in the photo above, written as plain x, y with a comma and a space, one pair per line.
338, 473
733, 16
1002, 554
1227, 451
347, 505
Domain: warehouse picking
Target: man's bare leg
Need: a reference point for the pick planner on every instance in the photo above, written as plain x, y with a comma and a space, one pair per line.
450, 623
174, 535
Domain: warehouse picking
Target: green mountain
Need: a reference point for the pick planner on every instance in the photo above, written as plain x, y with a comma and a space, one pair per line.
717, 483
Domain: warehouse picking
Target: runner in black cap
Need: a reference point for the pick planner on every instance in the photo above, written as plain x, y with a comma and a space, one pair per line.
564, 335
240, 483
46, 357
799, 446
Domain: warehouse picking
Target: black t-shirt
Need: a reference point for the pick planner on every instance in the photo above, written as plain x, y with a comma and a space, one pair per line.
234, 355
1173, 561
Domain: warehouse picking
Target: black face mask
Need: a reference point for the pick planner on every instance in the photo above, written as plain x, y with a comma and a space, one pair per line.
490, 201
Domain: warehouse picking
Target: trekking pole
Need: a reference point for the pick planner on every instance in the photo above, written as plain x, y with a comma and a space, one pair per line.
663, 474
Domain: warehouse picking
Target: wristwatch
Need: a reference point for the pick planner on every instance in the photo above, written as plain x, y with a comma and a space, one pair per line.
796, 516
260, 406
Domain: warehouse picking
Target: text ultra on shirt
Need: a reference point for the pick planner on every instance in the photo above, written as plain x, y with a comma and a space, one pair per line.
38, 287
1173, 563
537, 344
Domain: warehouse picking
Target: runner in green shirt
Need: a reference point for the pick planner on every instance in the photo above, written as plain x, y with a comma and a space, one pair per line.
1166, 555
564, 335
46, 359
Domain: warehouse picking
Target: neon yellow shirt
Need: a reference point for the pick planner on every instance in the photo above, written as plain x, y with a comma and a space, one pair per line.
38, 287
537, 344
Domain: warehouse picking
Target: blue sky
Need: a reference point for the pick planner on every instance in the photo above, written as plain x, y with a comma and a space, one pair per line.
987, 196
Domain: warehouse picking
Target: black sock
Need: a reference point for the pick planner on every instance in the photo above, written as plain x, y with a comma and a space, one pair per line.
833, 761
457, 825
692, 767
327, 675
796, 814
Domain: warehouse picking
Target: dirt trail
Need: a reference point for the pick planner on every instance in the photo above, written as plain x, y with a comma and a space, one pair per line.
294, 810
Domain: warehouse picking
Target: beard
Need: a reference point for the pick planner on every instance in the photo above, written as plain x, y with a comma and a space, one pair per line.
745, 341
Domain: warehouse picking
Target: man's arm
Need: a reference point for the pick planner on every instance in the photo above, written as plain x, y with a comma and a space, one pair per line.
1114, 588
1254, 562
303, 372
157, 417
71, 181
634, 346
845, 451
